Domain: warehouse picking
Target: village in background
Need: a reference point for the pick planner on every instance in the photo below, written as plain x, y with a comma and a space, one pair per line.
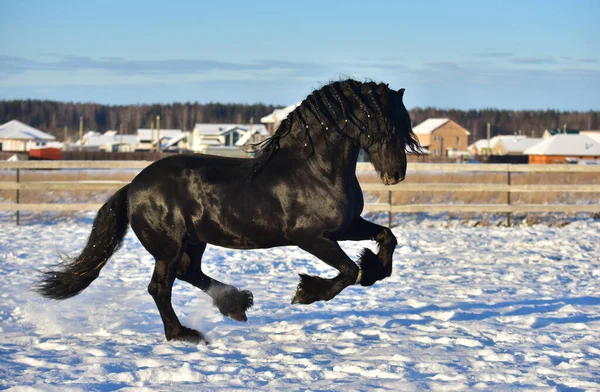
441, 139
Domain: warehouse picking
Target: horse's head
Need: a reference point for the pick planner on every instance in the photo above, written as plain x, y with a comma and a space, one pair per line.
388, 141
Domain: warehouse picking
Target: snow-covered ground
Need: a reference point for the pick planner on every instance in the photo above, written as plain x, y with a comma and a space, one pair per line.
467, 308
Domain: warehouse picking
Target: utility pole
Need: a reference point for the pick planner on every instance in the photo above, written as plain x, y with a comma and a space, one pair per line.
158, 148
80, 133
565, 129
152, 137
121, 134
251, 138
489, 134
65, 134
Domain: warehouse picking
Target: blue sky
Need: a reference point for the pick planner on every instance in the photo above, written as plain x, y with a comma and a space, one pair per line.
449, 54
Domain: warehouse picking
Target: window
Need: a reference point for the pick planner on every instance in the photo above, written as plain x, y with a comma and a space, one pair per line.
437, 152
228, 140
236, 137
437, 138
458, 140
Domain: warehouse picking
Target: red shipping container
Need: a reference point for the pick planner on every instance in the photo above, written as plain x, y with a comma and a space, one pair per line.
53, 154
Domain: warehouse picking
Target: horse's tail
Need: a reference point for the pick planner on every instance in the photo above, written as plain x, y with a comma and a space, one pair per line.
76, 273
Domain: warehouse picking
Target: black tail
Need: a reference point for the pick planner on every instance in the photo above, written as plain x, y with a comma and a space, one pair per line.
75, 274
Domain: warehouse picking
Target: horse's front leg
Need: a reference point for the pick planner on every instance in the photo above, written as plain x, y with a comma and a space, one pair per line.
373, 267
314, 288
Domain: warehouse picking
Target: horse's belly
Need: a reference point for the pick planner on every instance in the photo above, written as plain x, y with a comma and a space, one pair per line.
239, 233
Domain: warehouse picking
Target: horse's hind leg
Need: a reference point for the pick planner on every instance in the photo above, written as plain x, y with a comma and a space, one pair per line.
229, 300
160, 288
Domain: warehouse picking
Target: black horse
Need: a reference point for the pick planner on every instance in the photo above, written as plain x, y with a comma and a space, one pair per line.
300, 189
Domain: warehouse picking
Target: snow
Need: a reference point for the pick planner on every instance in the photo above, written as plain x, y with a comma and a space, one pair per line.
565, 144
429, 125
467, 308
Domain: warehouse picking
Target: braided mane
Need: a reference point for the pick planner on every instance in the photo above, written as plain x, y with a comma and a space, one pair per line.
324, 107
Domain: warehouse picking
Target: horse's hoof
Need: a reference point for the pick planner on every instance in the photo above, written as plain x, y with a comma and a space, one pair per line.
189, 335
308, 286
299, 296
371, 267
240, 316
233, 303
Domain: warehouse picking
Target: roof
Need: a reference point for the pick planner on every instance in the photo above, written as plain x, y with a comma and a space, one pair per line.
279, 114
109, 138
431, 124
566, 145
556, 131
593, 134
213, 129
516, 144
146, 134
173, 141
510, 142
206, 129
15, 129
246, 138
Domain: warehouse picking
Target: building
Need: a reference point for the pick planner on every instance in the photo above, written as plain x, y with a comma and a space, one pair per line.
514, 145
274, 119
503, 145
551, 132
109, 141
16, 136
218, 138
147, 139
564, 148
441, 135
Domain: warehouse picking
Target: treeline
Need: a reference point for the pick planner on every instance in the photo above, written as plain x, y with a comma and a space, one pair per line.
508, 122
53, 116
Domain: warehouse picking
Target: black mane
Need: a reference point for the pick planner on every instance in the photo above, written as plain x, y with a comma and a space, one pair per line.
324, 105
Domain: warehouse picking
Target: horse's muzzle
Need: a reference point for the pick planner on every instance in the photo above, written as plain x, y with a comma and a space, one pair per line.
392, 180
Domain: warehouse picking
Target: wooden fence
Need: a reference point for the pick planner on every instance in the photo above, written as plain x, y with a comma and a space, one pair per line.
388, 206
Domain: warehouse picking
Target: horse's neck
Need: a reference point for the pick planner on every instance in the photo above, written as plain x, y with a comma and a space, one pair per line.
319, 154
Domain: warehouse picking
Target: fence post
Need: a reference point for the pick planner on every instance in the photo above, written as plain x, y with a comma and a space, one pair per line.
390, 211
508, 197
18, 193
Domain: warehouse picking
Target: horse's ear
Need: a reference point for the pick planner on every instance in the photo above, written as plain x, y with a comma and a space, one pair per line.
401, 93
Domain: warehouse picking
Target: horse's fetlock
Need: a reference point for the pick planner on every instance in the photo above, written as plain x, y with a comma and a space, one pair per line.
387, 237
351, 271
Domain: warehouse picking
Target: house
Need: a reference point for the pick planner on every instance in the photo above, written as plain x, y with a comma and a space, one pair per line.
503, 145
439, 135
551, 132
147, 138
274, 119
562, 148
206, 137
16, 136
515, 145
109, 141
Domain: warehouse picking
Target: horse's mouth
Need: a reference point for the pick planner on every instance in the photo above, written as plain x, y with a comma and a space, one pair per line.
392, 180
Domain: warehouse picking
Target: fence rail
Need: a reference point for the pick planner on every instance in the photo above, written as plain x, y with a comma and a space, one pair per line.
389, 207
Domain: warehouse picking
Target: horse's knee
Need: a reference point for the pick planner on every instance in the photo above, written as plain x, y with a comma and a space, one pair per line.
153, 289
